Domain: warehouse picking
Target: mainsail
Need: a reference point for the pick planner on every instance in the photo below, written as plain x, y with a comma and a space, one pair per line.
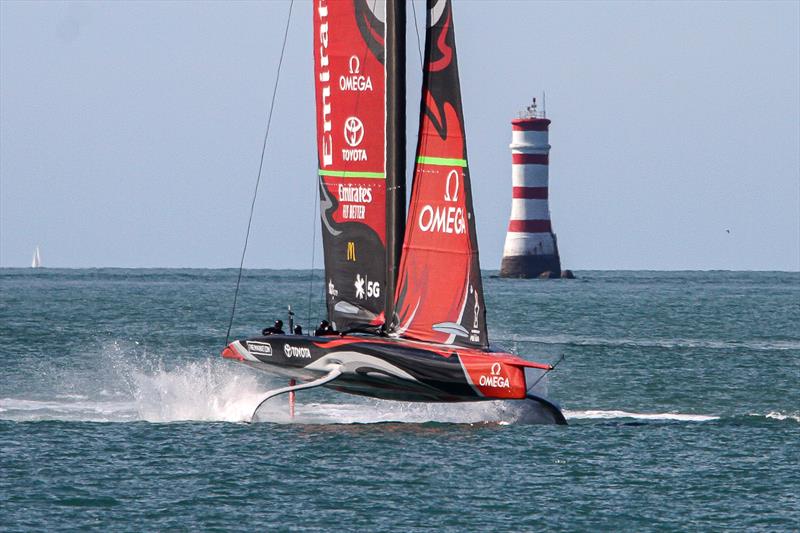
440, 295
350, 82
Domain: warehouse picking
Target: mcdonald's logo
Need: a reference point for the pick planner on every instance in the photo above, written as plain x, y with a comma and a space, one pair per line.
351, 251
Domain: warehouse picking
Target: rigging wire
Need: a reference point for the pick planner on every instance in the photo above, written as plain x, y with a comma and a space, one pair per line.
313, 251
553, 367
260, 169
416, 28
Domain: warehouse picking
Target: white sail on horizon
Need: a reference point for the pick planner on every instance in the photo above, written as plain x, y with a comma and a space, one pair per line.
36, 262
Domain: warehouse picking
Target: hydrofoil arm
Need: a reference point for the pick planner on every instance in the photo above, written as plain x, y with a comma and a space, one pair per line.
327, 378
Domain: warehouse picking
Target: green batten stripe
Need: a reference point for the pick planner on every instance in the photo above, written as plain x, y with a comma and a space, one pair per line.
442, 161
351, 174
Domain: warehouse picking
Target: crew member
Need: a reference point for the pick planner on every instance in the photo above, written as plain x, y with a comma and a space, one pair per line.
298, 329
277, 329
324, 329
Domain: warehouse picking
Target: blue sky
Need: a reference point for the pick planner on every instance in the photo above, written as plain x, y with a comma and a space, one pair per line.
130, 133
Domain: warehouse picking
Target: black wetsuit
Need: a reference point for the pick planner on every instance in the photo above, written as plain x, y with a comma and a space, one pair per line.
324, 330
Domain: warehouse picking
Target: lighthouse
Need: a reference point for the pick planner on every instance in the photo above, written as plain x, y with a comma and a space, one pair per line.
531, 249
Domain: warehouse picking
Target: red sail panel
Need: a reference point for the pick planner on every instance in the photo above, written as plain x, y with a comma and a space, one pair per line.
350, 81
440, 293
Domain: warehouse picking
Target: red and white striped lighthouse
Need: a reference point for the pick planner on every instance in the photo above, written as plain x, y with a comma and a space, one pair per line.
531, 249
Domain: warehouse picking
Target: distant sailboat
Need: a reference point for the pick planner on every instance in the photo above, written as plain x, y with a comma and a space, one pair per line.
36, 262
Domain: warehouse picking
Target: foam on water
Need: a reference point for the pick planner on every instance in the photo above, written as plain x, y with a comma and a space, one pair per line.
781, 416
580, 340
595, 414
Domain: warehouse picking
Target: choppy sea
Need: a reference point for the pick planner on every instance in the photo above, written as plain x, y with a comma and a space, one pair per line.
682, 390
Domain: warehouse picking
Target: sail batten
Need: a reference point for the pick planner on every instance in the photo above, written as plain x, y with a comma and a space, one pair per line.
440, 294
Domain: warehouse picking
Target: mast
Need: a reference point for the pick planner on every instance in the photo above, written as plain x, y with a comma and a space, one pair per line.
395, 147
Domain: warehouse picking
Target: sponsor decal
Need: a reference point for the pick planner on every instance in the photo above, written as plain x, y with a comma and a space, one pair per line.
353, 135
354, 154
495, 379
293, 351
444, 219
353, 131
475, 333
332, 289
351, 251
366, 288
453, 178
261, 348
355, 193
353, 212
355, 81
359, 284
325, 87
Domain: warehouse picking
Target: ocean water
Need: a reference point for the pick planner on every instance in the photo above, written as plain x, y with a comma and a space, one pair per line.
682, 390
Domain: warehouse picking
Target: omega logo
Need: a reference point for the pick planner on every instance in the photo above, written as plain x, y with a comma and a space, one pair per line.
447, 195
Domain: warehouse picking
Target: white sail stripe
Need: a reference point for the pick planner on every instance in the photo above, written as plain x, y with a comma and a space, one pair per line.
529, 175
520, 243
529, 209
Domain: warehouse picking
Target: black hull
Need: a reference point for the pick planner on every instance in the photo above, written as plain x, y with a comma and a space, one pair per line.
383, 368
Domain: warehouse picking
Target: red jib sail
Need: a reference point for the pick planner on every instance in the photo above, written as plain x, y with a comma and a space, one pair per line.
440, 295
349, 76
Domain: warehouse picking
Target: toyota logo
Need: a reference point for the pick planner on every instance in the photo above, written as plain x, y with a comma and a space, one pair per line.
353, 131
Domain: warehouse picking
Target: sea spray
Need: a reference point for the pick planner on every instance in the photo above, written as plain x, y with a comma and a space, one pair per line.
202, 391
127, 382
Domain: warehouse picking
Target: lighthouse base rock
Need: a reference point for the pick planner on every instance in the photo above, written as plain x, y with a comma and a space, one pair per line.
533, 266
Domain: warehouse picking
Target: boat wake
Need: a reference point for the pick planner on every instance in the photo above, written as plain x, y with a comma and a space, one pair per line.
128, 386
775, 415
602, 342
613, 414
596, 414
